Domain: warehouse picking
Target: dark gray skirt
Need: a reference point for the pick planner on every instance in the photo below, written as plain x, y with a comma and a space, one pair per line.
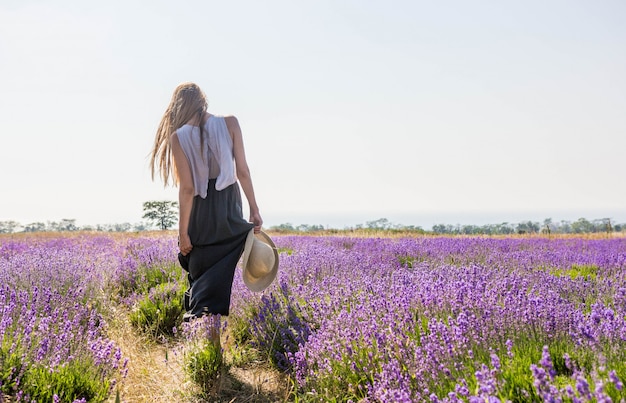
218, 234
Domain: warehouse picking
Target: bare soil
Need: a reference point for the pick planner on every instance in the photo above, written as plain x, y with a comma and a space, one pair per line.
156, 374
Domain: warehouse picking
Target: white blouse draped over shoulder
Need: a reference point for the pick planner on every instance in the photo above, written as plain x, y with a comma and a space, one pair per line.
218, 140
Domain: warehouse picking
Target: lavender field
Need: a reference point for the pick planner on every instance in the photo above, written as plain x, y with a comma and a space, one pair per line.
455, 319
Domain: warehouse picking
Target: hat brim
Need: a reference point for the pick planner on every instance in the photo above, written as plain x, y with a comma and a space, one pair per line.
257, 284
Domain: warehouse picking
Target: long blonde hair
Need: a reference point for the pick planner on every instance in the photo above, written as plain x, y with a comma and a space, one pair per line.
187, 101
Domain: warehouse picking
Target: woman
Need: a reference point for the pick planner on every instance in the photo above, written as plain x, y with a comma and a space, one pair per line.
204, 155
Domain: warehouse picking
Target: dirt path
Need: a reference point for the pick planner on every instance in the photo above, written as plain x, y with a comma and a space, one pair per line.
155, 374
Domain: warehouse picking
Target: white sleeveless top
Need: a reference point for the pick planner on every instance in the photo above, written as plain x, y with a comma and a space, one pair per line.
217, 154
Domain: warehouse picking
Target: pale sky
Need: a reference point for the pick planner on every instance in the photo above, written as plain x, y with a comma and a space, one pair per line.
421, 112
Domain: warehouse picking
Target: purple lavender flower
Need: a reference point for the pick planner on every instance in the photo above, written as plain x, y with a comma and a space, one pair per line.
351, 313
616, 381
582, 386
546, 362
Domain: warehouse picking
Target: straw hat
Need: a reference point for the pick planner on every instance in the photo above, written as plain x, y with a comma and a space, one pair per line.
260, 261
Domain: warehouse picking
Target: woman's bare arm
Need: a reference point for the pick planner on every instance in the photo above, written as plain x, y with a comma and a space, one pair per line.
185, 194
243, 171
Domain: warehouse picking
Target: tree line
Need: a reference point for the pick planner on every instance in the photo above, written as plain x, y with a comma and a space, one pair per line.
548, 226
69, 225
580, 226
164, 215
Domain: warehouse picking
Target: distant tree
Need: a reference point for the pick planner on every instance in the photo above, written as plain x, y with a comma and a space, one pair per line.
565, 227
309, 228
161, 213
415, 228
527, 227
582, 226
122, 227
505, 228
381, 223
547, 227
602, 225
439, 228
284, 227
68, 225
470, 229
8, 227
445, 229
35, 227
141, 226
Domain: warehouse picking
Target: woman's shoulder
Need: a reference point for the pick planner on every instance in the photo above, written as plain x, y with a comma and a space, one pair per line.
231, 122
229, 119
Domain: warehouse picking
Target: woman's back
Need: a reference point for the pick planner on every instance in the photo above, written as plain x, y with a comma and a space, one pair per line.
210, 157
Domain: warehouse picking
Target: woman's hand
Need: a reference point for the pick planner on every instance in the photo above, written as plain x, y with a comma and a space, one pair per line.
256, 219
184, 244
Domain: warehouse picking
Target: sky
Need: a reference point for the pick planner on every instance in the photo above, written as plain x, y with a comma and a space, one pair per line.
421, 112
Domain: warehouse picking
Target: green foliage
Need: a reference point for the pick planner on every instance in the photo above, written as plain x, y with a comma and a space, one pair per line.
585, 271
203, 362
406, 261
144, 279
160, 310
10, 365
243, 351
154, 276
162, 213
240, 325
380, 224
74, 380
160, 291
517, 382
581, 226
620, 370
8, 227
243, 355
515, 377
410, 261
288, 251
348, 379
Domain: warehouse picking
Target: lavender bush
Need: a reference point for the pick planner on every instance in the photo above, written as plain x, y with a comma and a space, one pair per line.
351, 319
53, 293
51, 343
202, 356
449, 319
